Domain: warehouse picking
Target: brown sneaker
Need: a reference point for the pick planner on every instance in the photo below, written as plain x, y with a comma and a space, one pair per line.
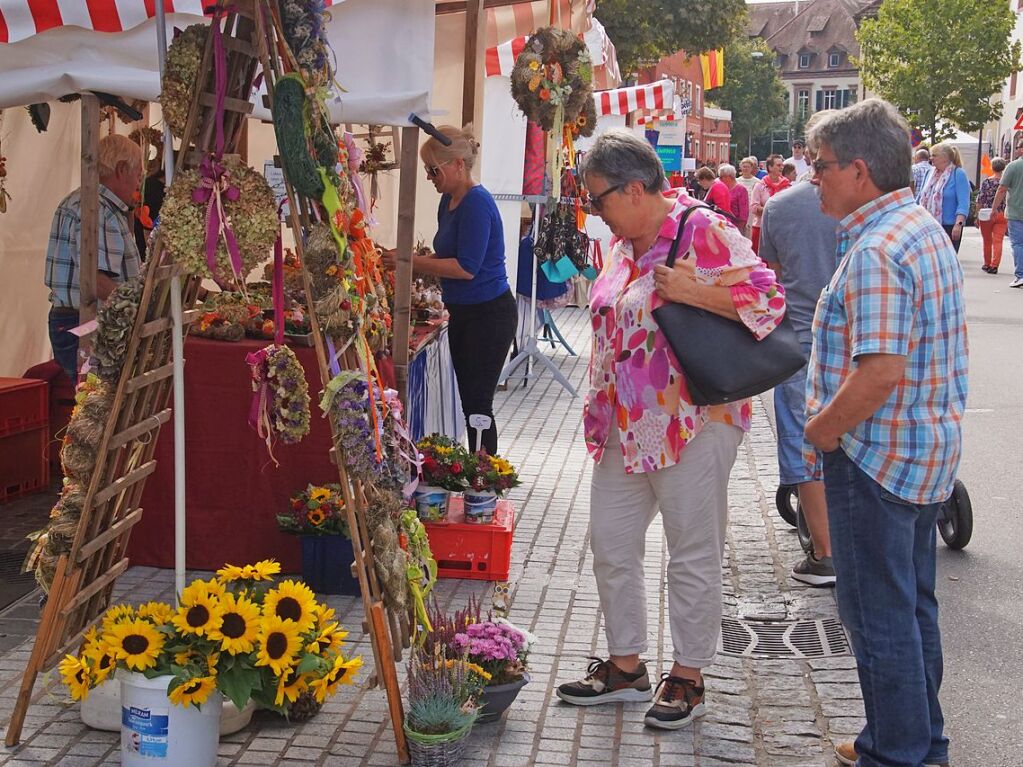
606, 683
679, 701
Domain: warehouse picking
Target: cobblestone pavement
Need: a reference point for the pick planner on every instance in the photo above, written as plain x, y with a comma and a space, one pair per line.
766, 713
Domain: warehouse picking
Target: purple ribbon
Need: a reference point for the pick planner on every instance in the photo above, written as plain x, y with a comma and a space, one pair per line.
335, 368
278, 290
213, 188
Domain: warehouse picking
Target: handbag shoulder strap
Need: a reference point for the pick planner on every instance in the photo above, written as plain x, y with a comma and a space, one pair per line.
681, 229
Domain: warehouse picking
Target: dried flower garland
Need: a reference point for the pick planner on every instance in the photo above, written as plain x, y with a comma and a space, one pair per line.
280, 405
115, 321
88, 420
304, 26
250, 209
554, 70
181, 73
346, 400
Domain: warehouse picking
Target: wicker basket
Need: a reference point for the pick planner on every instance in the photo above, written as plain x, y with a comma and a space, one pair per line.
437, 750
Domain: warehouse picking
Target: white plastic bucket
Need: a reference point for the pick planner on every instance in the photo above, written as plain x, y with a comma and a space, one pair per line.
158, 733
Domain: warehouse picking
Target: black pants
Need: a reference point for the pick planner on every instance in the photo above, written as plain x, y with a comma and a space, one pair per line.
480, 336
948, 230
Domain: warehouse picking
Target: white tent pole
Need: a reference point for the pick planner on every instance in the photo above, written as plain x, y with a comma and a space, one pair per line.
178, 347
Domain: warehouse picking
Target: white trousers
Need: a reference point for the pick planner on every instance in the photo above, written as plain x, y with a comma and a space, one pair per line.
692, 497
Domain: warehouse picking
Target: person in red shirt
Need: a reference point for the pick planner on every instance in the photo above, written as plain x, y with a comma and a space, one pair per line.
716, 193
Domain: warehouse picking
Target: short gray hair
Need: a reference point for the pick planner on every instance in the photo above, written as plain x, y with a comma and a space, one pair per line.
725, 169
872, 131
922, 154
620, 156
998, 165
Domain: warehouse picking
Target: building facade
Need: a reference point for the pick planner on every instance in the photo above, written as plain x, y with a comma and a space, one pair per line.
1005, 140
814, 45
708, 130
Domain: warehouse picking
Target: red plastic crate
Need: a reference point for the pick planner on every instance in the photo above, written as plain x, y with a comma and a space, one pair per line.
24, 467
24, 404
477, 552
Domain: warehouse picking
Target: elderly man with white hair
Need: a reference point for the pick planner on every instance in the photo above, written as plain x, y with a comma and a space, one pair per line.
738, 197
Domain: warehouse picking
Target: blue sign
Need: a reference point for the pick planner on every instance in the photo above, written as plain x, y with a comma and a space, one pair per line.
671, 157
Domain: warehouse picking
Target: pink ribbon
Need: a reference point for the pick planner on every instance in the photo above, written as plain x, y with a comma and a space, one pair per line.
213, 189
403, 438
259, 409
278, 291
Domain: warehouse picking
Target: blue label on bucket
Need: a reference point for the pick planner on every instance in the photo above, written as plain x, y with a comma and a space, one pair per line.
144, 731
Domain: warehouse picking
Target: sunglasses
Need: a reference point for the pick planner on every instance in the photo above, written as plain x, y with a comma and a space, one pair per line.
433, 170
819, 166
597, 201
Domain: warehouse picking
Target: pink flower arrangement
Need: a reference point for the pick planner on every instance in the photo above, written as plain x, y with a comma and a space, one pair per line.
496, 646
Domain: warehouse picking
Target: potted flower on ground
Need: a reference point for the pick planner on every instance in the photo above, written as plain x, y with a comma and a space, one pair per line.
442, 472
237, 636
442, 694
495, 646
488, 477
317, 515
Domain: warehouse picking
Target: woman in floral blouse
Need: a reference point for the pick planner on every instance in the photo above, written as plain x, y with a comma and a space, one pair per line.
993, 225
654, 449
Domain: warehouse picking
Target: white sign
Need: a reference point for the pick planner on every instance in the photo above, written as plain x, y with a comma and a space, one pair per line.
688, 163
275, 178
672, 134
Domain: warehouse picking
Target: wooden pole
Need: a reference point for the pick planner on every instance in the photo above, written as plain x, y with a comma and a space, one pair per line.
472, 82
88, 253
401, 312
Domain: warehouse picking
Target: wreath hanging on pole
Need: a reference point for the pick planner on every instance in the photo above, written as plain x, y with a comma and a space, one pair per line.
553, 78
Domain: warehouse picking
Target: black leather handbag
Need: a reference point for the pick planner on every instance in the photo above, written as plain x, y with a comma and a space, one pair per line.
720, 358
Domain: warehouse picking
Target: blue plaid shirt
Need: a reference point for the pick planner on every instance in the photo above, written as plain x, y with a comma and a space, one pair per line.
118, 255
921, 170
897, 290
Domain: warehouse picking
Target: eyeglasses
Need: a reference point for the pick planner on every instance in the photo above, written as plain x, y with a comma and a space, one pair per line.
433, 170
597, 201
819, 166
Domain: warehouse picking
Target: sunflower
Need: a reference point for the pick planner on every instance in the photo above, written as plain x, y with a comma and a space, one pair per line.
231, 573
193, 691
158, 613
328, 637
319, 494
117, 614
76, 676
136, 642
316, 517
264, 570
292, 601
199, 613
342, 672
99, 656
279, 643
290, 685
239, 625
186, 657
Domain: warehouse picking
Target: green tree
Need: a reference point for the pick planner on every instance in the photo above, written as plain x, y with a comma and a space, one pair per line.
752, 91
645, 30
939, 61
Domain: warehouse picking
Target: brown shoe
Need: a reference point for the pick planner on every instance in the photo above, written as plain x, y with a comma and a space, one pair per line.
679, 701
606, 683
846, 753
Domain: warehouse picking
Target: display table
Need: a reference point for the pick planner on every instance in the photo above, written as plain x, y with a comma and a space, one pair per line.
233, 491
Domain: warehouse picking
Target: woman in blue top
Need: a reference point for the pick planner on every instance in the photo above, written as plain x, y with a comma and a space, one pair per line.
946, 194
469, 259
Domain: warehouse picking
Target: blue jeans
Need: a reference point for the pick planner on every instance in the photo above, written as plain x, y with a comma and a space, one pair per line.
65, 344
790, 417
884, 555
1016, 238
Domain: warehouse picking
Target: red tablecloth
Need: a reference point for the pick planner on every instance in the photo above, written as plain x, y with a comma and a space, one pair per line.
233, 491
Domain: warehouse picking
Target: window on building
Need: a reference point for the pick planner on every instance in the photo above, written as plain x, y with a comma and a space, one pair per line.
698, 101
1012, 85
803, 102
696, 149
829, 100
834, 59
804, 60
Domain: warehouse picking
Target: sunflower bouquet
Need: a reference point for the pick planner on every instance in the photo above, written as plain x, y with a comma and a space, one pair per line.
485, 472
239, 633
317, 510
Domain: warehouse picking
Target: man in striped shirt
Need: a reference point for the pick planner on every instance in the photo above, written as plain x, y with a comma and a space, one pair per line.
885, 398
120, 175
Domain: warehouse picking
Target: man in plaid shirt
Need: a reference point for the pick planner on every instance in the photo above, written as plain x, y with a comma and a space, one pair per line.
885, 397
120, 175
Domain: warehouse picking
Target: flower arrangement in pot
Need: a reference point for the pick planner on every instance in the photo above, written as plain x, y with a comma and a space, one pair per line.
317, 515
498, 649
442, 705
238, 636
488, 477
442, 472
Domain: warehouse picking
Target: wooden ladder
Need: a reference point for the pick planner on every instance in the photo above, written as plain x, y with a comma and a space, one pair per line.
85, 577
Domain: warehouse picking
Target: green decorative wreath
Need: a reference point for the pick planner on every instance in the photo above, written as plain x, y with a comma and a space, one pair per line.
252, 215
554, 70
181, 76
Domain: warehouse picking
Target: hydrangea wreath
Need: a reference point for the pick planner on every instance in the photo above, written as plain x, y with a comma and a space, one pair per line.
252, 214
278, 380
184, 57
554, 70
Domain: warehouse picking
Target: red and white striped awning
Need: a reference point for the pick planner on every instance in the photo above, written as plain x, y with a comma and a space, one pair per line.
500, 59
21, 19
622, 101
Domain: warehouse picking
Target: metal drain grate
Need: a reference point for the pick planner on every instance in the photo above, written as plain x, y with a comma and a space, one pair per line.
14, 584
784, 639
